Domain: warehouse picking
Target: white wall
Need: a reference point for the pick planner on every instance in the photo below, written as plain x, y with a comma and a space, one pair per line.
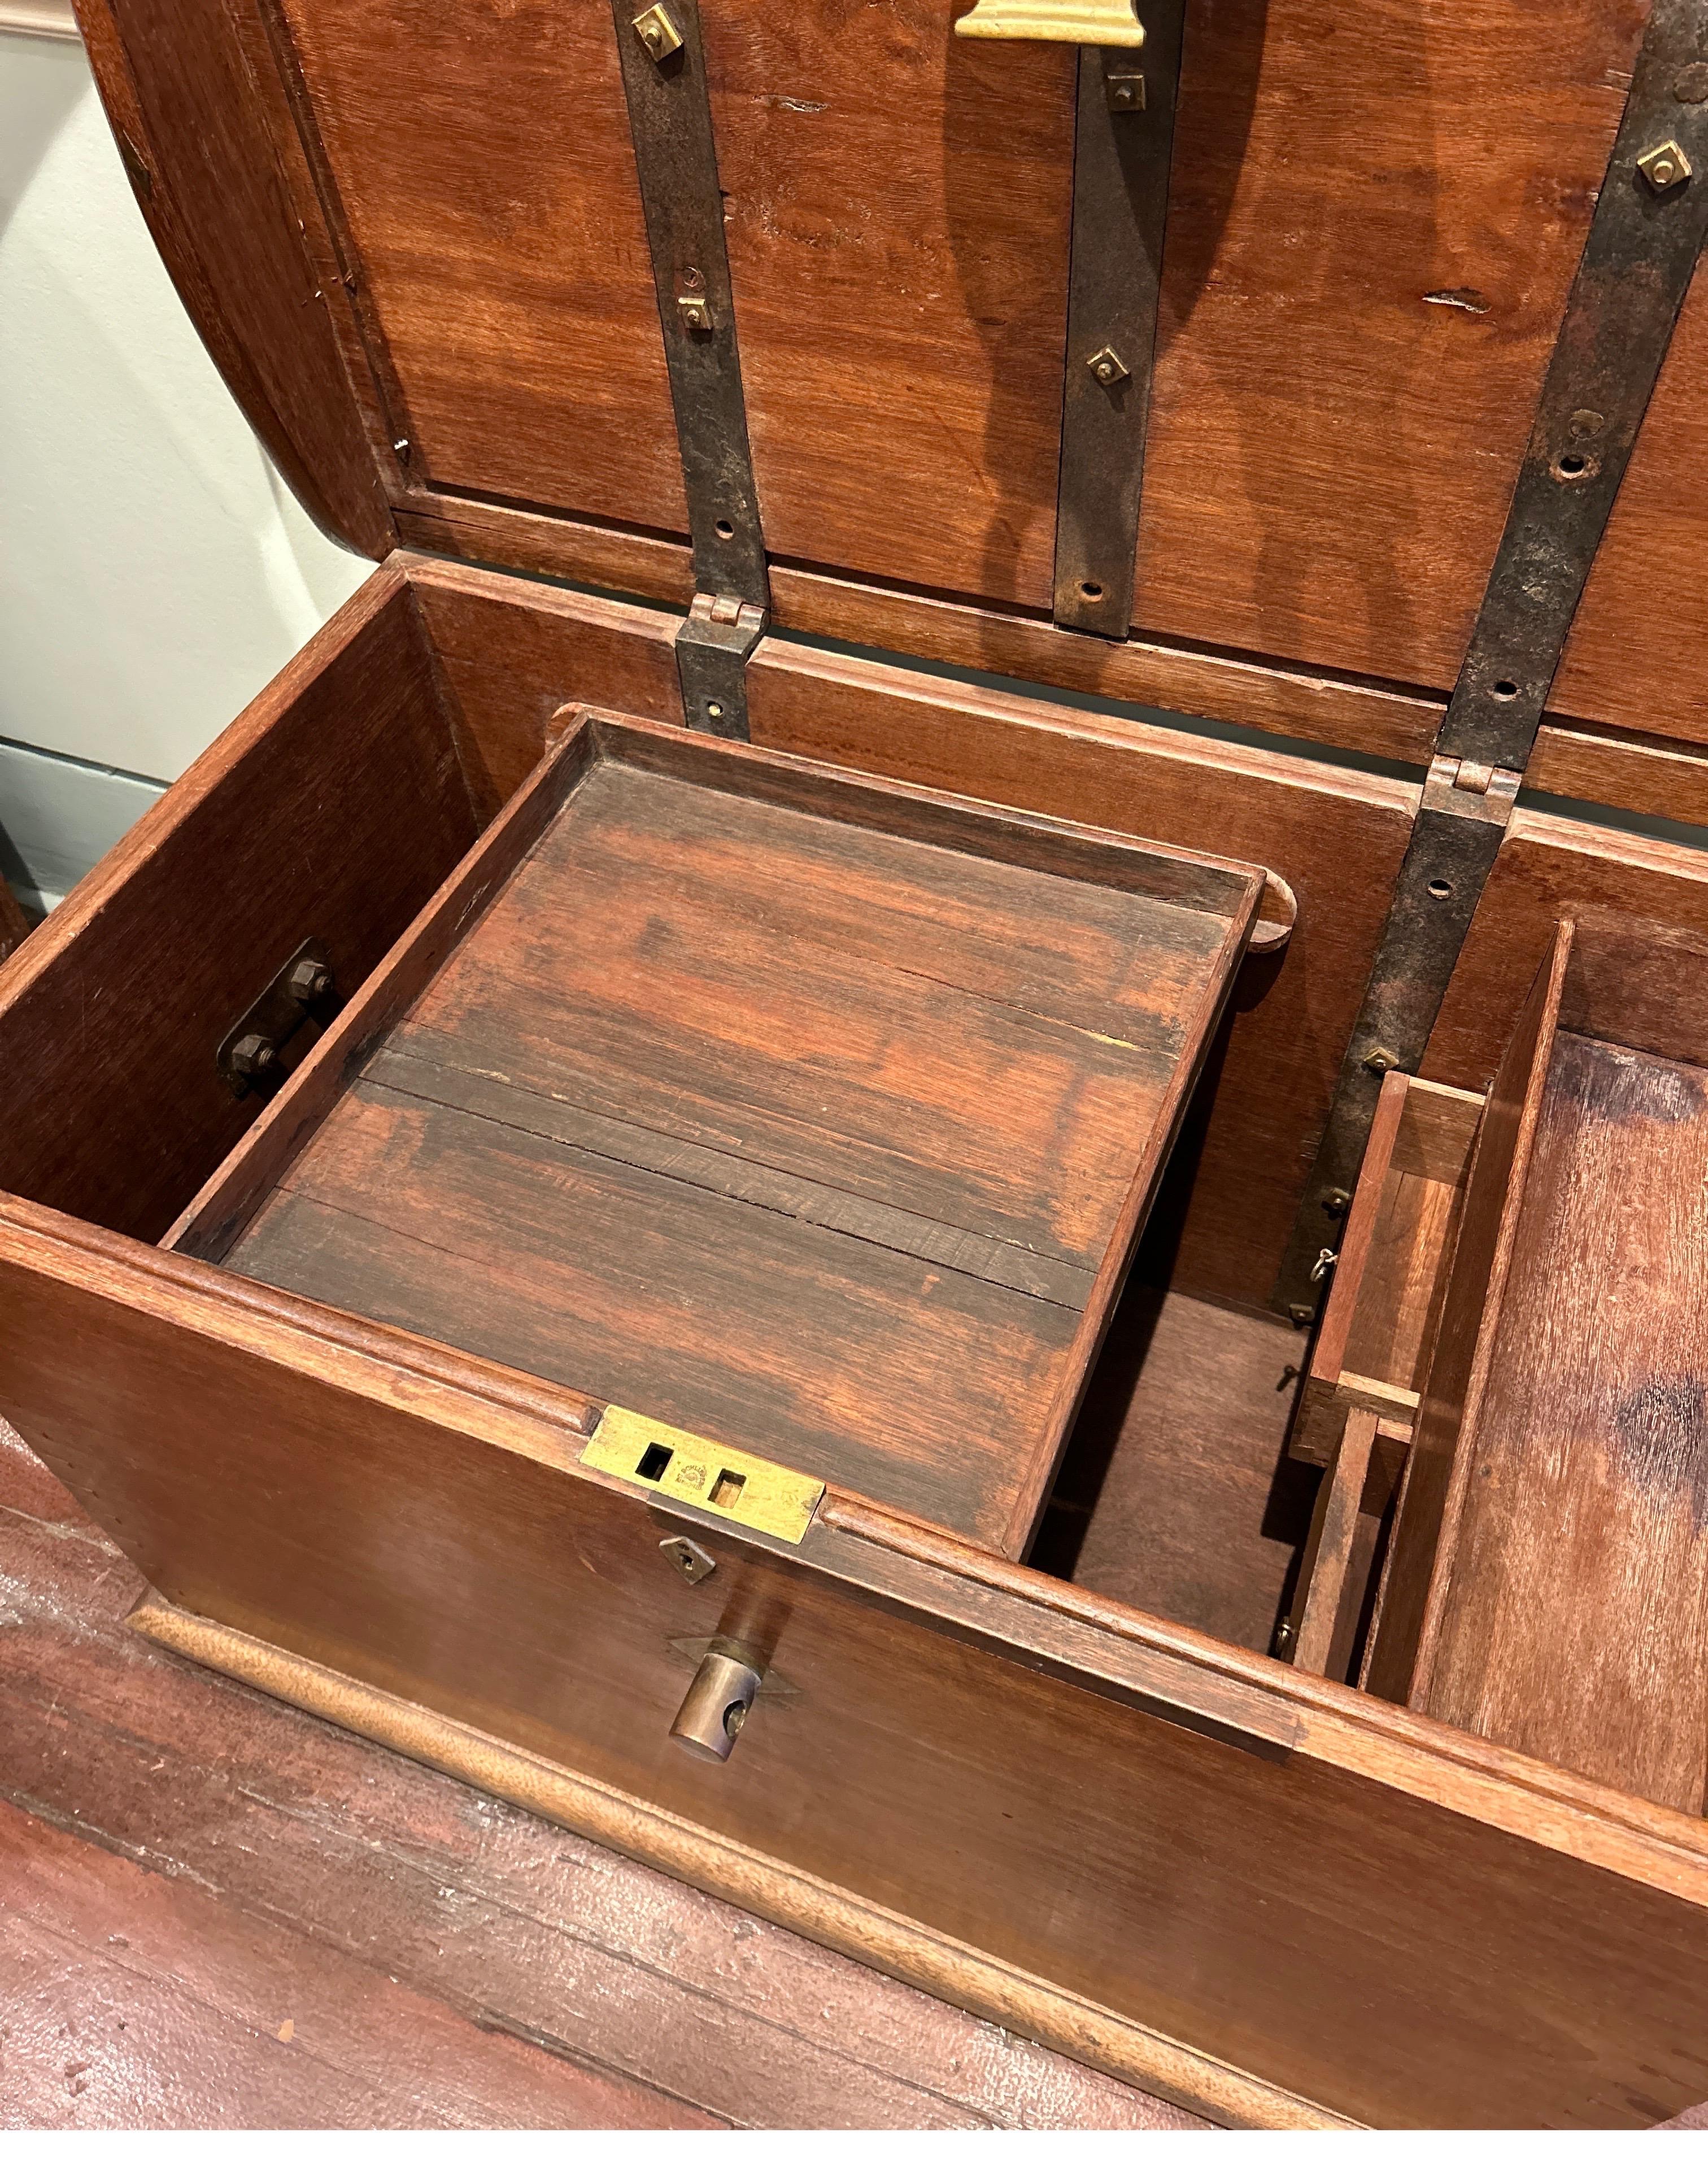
154, 570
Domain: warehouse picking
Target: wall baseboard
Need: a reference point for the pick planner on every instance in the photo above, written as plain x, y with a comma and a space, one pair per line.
58, 817
39, 18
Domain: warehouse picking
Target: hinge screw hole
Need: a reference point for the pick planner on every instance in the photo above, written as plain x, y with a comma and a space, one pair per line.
1091, 590
1440, 889
723, 527
1505, 690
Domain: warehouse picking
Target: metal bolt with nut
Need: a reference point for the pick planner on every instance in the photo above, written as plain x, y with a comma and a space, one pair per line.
309, 981
253, 1055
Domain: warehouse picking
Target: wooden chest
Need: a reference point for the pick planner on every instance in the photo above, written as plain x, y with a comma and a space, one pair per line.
1030, 717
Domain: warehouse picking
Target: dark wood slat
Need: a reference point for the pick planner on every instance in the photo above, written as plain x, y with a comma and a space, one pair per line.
1432, 1496
926, 1389
398, 1067
127, 2001
979, 1044
1327, 1596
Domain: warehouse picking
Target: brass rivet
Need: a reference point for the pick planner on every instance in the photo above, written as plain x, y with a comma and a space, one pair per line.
1106, 367
657, 33
1381, 1060
696, 312
1337, 1200
1665, 166
1125, 93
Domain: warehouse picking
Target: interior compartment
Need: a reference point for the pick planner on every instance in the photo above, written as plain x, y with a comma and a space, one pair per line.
1550, 1566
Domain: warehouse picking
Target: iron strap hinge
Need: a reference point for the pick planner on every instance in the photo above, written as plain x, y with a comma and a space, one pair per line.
1647, 234
714, 645
1123, 145
662, 56
1454, 841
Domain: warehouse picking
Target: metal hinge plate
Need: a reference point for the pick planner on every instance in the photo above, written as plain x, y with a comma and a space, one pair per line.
742, 1488
712, 648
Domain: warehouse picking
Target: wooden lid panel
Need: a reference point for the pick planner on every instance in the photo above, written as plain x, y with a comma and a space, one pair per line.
898, 207
1370, 238
1374, 217
485, 180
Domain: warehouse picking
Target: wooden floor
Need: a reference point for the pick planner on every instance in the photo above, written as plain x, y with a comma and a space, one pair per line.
216, 1912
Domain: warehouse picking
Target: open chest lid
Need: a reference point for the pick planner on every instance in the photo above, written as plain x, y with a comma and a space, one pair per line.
494, 280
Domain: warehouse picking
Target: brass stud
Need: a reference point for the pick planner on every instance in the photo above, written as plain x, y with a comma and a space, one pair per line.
1106, 367
695, 313
1379, 1060
1125, 92
657, 31
1665, 166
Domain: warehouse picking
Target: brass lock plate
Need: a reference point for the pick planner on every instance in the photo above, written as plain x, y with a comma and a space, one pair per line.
743, 1489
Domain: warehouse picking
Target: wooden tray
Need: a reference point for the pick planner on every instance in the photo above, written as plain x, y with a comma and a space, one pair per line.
811, 1116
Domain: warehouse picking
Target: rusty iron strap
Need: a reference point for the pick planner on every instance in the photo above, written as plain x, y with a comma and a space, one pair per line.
1651, 219
663, 65
1123, 143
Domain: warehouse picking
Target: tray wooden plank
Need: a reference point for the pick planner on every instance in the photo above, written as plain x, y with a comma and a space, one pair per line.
764, 1114
970, 1041
840, 1356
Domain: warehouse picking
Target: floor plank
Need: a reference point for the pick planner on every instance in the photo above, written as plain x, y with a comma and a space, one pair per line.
443, 1959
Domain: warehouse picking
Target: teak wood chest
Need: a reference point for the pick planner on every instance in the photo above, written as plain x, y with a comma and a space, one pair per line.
1064, 1350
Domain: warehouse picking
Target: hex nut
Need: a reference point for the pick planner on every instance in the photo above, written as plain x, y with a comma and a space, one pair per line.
253, 1055
309, 981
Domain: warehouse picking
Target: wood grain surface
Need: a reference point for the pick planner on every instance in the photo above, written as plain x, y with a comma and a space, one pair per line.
1550, 869
821, 1138
218, 1912
330, 810
1335, 837
1413, 1582
1572, 1624
1396, 1921
1338, 418
1175, 1494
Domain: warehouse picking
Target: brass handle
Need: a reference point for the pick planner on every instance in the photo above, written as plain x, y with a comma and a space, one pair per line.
719, 1697
1064, 22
